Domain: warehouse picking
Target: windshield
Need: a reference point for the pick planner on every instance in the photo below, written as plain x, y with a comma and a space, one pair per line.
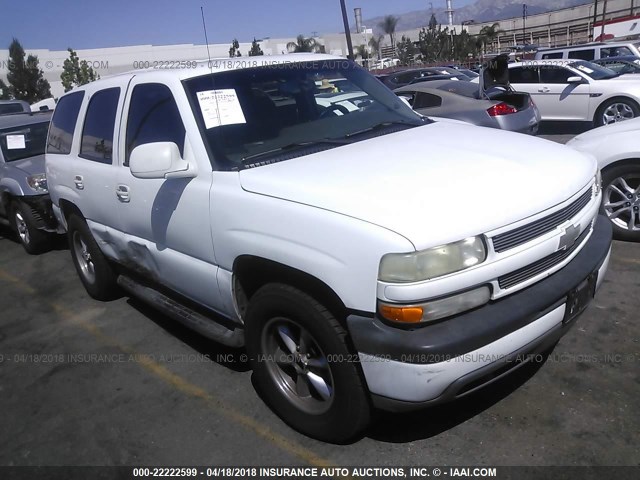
596, 72
259, 113
24, 141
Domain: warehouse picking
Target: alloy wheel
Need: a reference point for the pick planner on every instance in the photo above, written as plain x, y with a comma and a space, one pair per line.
622, 202
22, 228
297, 365
617, 112
83, 256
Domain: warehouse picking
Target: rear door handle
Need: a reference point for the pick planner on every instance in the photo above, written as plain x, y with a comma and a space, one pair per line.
544, 90
122, 192
79, 181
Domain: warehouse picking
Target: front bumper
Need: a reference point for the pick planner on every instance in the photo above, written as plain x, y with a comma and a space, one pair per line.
406, 369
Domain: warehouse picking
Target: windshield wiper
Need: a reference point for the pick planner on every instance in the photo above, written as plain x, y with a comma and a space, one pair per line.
324, 141
382, 125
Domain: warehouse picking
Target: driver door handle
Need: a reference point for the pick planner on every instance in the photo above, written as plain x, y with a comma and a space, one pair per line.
79, 181
544, 90
122, 192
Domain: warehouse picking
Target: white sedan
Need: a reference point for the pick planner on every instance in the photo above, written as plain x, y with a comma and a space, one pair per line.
617, 149
577, 91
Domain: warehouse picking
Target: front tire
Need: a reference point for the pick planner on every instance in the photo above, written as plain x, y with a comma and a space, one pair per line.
616, 110
303, 366
94, 270
621, 200
33, 240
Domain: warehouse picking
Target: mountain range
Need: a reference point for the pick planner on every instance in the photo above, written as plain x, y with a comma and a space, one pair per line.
479, 11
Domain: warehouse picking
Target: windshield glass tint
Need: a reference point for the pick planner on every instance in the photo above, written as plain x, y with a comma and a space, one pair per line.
24, 141
594, 71
248, 113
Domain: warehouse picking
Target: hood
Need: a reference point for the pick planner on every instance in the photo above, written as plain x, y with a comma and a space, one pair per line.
607, 130
29, 166
432, 184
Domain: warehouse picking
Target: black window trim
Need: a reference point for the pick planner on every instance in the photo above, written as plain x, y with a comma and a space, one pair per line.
115, 124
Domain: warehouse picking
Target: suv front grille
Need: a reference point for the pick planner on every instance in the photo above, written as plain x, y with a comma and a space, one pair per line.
523, 234
533, 269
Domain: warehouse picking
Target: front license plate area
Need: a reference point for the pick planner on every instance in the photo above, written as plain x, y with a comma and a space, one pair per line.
580, 297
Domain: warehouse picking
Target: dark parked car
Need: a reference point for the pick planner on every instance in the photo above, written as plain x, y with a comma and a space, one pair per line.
463, 101
405, 77
24, 196
433, 78
621, 65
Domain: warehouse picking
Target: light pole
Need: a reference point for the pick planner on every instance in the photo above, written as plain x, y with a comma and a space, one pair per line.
347, 31
524, 23
595, 19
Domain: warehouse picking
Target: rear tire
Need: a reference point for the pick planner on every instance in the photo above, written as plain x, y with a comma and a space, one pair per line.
303, 366
33, 240
618, 184
94, 270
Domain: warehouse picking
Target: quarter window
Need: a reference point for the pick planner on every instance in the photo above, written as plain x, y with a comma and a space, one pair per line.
99, 124
426, 100
64, 123
153, 117
589, 54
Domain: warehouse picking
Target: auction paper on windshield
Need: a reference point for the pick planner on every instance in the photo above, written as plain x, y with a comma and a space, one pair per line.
15, 142
220, 107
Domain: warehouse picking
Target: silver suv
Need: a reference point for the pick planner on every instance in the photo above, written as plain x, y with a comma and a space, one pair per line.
24, 197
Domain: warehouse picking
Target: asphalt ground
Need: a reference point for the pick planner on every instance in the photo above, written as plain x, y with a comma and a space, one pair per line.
90, 383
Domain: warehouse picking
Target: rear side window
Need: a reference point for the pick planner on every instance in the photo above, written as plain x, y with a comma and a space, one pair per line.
99, 124
548, 56
589, 54
63, 123
10, 108
153, 117
426, 100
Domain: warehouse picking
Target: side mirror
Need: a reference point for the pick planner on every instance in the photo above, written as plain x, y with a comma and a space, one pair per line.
159, 160
574, 79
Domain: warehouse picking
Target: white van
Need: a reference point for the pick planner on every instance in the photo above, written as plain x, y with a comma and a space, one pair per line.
590, 51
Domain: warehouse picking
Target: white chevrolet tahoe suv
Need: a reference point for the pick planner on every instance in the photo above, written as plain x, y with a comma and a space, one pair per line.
364, 255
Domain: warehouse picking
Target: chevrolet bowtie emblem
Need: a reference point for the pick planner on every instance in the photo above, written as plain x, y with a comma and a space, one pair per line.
569, 237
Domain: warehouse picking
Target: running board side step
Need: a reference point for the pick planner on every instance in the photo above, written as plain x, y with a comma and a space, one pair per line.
205, 326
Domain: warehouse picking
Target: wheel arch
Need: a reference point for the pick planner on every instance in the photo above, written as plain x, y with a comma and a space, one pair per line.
601, 105
620, 163
252, 272
69, 208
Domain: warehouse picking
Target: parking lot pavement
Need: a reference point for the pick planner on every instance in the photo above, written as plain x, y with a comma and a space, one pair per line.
90, 383
561, 132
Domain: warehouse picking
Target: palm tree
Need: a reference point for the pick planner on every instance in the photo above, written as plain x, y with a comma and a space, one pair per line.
363, 52
375, 44
303, 44
388, 26
489, 33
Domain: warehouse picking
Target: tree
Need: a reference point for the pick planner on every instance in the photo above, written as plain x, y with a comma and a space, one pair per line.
375, 43
234, 50
433, 23
406, 51
25, 76
4, 91
255, 49
363, 52
76, 72
388, 26
489, 33
303, 44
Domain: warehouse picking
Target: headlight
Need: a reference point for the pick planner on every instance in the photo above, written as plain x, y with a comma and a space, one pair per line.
433, 262
434, 309
38, 182
597, 186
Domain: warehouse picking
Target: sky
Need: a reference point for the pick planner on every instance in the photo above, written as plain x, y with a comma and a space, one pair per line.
82, 24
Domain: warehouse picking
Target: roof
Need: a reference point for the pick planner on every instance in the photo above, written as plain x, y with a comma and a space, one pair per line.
216, 65
19, 119
587, 45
